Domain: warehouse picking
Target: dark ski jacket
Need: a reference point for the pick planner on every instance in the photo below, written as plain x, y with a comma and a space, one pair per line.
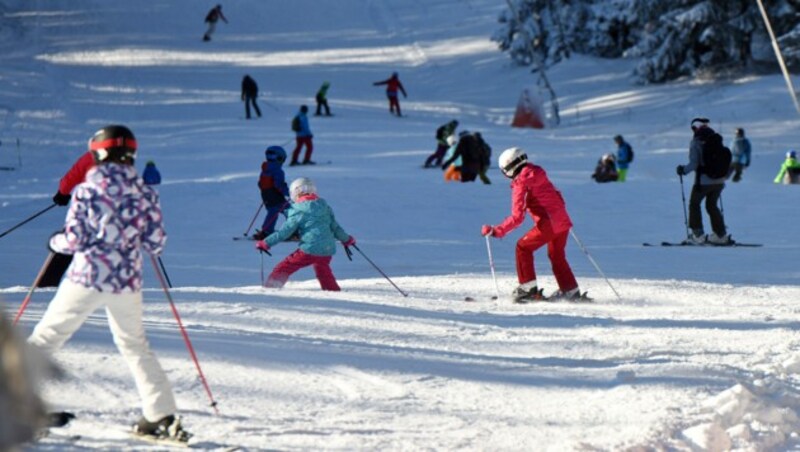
249, 88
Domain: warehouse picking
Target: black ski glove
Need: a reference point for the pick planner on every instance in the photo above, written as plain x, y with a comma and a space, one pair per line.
679, 170
61, 199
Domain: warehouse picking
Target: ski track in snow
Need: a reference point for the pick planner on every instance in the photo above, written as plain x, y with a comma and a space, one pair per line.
701, 353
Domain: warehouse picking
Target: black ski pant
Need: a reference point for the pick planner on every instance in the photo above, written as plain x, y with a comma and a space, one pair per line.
711, 193
247, 101
322, 103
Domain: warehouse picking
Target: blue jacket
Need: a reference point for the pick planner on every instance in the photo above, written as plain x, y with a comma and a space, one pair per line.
623, 155
741, 151
305, 130
314, 222
272, 182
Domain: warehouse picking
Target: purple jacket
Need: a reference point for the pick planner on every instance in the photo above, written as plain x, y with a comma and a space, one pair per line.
112, 217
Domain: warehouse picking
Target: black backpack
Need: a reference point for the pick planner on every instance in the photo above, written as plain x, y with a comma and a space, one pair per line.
296, 124
716, 158
630, 153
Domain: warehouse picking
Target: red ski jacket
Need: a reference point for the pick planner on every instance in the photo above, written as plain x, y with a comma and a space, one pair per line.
531, 190
392, 85
76, 174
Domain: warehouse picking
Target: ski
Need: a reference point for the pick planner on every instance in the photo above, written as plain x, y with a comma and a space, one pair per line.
183, 444
493, 297
245, 237
707, 244
59, 418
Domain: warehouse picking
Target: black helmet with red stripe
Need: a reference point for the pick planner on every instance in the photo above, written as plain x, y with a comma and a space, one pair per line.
114, 143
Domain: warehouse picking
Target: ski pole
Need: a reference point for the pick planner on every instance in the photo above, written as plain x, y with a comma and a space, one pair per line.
19, 155
274, 218
28, 219
164, 270
585, 251
260, 206
491, 266
33, 287
685, 218
405, 294
184, 334
348, 253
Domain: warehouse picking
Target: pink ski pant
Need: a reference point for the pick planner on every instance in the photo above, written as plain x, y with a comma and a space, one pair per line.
297, 260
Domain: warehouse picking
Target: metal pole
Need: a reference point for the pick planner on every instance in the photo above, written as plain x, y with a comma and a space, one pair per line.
164, 269
585, 251
685, 217
28, 219
491, 266
33, 287
778, 55
405, 294
260, 206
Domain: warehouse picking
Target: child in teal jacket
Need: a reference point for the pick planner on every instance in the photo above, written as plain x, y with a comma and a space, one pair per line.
312, 219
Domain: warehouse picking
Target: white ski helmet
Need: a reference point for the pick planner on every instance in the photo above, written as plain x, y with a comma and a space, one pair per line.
511, 161
301, 186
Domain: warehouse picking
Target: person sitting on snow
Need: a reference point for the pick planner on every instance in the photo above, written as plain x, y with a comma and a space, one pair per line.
790, 170
453, 172
606, 169
312, 219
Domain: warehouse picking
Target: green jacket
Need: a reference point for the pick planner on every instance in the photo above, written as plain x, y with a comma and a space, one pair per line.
313, 221
323, 91
787, 164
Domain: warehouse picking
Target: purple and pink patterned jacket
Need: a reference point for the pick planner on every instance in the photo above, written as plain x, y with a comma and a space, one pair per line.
112, 217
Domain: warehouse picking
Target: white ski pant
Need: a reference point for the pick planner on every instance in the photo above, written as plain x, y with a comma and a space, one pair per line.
68, 310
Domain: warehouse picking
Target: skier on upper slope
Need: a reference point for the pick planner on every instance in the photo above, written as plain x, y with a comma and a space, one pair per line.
532, 190
392, 86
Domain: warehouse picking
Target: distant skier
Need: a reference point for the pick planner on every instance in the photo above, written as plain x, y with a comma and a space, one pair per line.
471, 152
249, 95
151, 175
624, 158
213, 16
392, 86
442, 133
274, 191
486, 158
453, 172
606, 169
303, 136
741, 151
322, 99
312, 219
790, 170
113, 216
709, 182
532, 191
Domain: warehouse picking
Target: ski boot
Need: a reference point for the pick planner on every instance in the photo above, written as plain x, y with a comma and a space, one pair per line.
574, 296
522, 295
168, 429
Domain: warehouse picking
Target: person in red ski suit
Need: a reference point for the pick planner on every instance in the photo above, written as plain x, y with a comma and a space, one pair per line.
532, 190
74, 176
392, 86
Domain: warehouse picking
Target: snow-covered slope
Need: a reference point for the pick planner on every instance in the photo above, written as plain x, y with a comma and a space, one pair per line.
701, 349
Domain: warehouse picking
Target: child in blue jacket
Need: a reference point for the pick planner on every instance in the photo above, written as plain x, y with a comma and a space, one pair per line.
312, 220
274, 191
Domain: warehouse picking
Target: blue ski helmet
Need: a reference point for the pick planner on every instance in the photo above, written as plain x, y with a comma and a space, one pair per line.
275, 154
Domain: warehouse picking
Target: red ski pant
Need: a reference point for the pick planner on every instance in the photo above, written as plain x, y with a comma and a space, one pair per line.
299, 259
556, 243
394, 104
309, 149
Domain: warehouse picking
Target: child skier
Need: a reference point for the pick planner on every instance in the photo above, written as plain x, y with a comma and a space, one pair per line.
151, 176
790, 170
531, 190
392, 86
303, 136
274, 190
213, 16
322, 100
453, 172
442, 134
112, 217
312, 219
624, 158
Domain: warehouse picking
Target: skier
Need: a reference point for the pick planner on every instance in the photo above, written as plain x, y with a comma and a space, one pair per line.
531, 190
624, 158
303, 137
453, 172
392, 86
151, 176
790, 170
322, 99
741, 154
705, 139
113, 215
486, 158
312, 219
606, 170
274, 190
249, 95
442, 134
213, 16
471, 152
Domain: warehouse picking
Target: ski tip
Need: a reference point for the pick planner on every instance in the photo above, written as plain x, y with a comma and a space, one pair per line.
469, 299
494, 297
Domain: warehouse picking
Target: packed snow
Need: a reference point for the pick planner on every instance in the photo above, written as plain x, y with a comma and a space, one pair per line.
699, 353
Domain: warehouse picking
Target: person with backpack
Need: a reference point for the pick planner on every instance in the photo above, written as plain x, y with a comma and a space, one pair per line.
606, 169
213, 16
322, 99
303, 136
272, 183
113, 218
442, 134
710, 160
486, 158
392, 86
470, 152
741, 154
151, 175
790, 170
312, 219
624, 157
249, 95
532, 192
